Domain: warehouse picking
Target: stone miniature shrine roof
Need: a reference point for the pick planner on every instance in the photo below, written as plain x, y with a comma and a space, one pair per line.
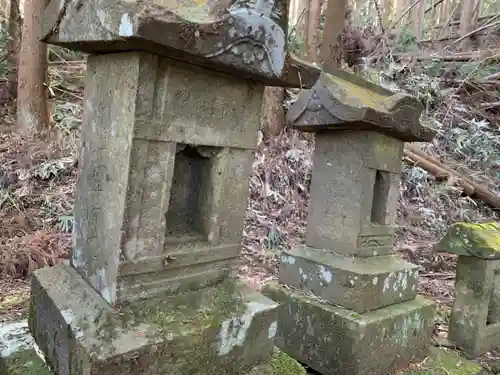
343, 101
472, 239
241, 37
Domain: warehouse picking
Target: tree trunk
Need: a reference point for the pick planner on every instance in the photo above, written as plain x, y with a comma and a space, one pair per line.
332, 46
313, 29
304, 27
9, 91
273, 114
32, 113
466, 22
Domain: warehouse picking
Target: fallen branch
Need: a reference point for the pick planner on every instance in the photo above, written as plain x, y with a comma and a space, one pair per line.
489, 105
492, 76
490, 23
463, 56
440, 170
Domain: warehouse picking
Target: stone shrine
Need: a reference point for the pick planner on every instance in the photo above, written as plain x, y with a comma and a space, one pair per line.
475, 315
350, 305
173, 94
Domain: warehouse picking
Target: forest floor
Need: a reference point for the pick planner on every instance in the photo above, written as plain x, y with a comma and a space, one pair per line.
37, 179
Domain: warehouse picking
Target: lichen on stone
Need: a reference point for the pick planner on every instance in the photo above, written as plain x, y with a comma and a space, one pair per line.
481, 240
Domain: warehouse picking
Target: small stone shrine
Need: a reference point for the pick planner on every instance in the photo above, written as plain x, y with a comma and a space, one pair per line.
350, 305
173, 94
475, 315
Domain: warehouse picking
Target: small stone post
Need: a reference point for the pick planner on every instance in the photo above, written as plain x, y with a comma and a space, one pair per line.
173, 94
475, 316
350, 305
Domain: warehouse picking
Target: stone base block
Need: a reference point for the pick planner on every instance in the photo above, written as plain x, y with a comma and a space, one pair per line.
359, 284
227, 329
333, 340
18, 356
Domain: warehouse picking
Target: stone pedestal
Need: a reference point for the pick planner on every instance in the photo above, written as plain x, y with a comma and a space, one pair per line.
475, 315
166, 154
350, 304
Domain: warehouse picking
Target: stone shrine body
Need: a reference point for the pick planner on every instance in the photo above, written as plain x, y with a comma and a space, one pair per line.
352, 305
171, 111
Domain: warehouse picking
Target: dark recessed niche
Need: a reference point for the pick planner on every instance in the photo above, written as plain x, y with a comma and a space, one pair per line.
381, 191
191, 199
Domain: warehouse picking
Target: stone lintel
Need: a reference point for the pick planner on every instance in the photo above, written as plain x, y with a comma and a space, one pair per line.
359, 284
223, 330
246, 39
177, 271
341, 101
480, 240
333, 340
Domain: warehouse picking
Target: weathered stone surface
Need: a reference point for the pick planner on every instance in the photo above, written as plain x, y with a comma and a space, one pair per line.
245, 38
469, 328
164, 172
17, 353
357, 175
224, 330
472, 239
342, 101
333, 340
494, 306
359, 284
446, 362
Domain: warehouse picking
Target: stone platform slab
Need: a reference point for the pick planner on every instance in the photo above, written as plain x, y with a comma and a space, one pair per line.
334, 340
224, 330
19, 356
359, 284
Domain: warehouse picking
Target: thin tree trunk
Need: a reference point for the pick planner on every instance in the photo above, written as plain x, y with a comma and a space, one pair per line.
304, 27
313, 29
466, 22
32, 113
9, 91
332, 46
273, 114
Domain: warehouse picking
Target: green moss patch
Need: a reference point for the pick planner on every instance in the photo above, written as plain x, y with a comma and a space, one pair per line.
472, 239
175, 315
446, 362
25, 362
279, 364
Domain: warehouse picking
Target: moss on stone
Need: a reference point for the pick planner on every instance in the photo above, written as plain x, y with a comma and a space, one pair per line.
174, 315
25, 362
180, 330
472, 239
355, 94
279, 364
446, 362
